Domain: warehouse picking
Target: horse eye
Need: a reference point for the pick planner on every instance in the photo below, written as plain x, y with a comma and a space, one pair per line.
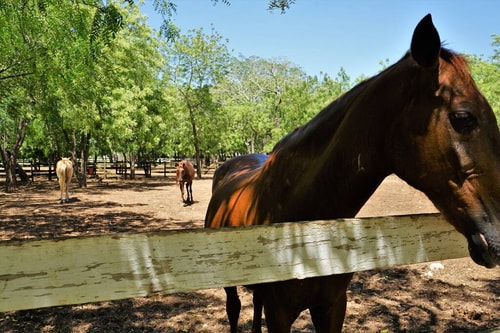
463, 121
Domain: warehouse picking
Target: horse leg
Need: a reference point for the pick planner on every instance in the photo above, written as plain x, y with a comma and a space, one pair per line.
233, 307
279, 319
67, 190
257, 313
189, 188
328, 316
280, 309
61, 189
182, 190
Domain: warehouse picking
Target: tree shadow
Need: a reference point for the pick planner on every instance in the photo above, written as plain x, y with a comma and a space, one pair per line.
154, 314
35, 216
402, 300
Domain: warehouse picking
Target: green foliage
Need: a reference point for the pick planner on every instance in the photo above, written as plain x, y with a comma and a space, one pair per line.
64, 62
85, 78
486, 73
167, 9
196, 62
106, 23
282, 5
128, 104
266, 99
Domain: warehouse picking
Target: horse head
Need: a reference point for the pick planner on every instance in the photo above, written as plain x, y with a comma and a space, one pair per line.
447, 144
179, 171
179, 175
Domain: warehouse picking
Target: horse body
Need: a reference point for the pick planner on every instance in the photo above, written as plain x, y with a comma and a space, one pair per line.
184, 175
64, 171
423, 119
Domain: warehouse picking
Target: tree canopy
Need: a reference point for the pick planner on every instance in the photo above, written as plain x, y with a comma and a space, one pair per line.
87, 78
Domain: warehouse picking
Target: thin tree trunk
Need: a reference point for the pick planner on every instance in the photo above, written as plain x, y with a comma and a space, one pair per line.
10, 171
10, 157
132, 165
196, 144
74, 158
52, 163
84, 156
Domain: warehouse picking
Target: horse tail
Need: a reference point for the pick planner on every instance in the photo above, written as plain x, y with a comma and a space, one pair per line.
61, 169
69, 170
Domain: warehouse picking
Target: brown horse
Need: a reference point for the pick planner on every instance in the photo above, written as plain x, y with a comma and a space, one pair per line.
184, 175
234, 168
64, 171
424, 119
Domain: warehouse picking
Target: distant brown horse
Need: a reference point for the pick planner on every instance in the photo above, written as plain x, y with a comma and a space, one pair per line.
423, 119
64, 171
185, 175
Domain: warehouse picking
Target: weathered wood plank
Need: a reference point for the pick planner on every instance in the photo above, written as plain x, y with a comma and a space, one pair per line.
43, 273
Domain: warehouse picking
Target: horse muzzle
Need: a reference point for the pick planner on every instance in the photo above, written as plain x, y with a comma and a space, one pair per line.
483, 251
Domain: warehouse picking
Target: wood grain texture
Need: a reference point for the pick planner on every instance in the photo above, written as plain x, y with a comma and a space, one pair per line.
44, 273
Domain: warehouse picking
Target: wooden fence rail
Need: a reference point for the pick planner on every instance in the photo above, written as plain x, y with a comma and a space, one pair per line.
42, 273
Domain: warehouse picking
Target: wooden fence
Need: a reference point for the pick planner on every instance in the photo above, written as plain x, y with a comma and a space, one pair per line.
42, 273
104, 169
101, 169
33, 170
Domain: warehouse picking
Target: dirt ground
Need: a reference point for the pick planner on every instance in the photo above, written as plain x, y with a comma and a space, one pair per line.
458, 296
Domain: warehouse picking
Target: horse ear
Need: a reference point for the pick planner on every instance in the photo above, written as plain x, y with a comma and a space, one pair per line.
426, 44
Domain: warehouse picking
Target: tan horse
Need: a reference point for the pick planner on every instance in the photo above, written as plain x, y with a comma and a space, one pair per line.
185, 175
64, 171
423, 119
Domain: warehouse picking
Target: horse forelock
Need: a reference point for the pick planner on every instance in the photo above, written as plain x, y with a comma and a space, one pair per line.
457, 61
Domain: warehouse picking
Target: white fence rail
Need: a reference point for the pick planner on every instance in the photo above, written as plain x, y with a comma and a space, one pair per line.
42, 273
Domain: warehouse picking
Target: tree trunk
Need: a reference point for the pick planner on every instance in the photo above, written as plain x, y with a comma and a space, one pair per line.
81, 167
132, 165
196, 144
10, 171
10, 157
84, 156
52, 164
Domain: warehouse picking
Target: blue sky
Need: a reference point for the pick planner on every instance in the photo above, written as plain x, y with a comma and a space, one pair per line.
325, 35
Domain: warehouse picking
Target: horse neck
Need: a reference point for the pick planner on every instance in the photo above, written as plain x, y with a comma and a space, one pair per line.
332, 165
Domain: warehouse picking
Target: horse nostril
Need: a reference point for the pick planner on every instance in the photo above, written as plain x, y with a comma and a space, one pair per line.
486, 218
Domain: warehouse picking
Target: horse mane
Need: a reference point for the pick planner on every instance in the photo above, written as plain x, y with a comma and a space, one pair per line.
333, 114
337, 109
